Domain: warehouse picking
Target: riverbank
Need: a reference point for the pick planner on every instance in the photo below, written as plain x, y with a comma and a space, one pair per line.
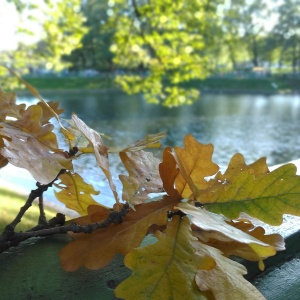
270, 85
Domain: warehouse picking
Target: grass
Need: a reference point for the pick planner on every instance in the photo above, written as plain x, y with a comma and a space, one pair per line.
209, 84
65, 83
10, 204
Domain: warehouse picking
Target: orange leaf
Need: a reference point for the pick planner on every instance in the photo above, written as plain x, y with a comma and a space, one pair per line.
97, 249
143, 176
195, 163
168, 173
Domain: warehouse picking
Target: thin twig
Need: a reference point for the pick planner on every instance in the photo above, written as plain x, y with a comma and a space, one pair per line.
15, 238
9, 229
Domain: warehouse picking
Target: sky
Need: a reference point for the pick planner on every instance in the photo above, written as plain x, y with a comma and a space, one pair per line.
10, 20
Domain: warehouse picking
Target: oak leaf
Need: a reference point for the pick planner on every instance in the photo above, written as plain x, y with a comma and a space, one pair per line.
195, 163
232, 247
74, 192
236, 166
149, 141
8, 106
166, 269
168, 172
48, 108
209, 222
3, 160
143, 176
26, 152
31, 122
225, 281
100, 151
97, 249
266, 198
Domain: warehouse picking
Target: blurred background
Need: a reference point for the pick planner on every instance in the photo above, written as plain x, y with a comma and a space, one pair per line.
225, 71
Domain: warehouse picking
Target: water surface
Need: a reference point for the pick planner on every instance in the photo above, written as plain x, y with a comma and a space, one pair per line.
254, 125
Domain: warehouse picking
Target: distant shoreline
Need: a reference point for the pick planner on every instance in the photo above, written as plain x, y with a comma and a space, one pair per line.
219, 85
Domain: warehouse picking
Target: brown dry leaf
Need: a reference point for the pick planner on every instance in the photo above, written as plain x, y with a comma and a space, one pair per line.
100, 151
97, 249
3, 160
48, 110
225, 281
149, 141
36, 94
168, 172
8, 106
210, 222
28, 153
31, 122
195, 163
143, 176
74, 192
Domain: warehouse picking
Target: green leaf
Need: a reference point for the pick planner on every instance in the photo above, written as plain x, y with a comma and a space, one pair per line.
166, 269
266, 198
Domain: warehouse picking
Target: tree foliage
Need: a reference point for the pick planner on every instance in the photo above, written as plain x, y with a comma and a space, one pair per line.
196, 219
165, 42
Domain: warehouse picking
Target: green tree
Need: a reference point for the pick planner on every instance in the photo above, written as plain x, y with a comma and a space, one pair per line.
288, 34
165, 43
243, 30
62, 27
94, 52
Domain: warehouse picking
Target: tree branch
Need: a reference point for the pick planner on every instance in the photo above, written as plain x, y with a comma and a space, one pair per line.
7, 241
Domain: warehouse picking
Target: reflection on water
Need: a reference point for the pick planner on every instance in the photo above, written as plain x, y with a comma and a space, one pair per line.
253, 125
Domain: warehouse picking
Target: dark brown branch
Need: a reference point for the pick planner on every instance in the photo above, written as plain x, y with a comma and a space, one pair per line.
37, 193
15, 238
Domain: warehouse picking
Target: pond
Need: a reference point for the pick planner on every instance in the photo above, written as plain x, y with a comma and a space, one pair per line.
254, 125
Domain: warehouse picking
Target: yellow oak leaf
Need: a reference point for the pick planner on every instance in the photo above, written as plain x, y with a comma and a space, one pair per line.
266, 198
209, 222
225, 281
26, 152
74, 192
233, 247
166, 269
149, 141
143, 176
97, 249
195, 163
100, 151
